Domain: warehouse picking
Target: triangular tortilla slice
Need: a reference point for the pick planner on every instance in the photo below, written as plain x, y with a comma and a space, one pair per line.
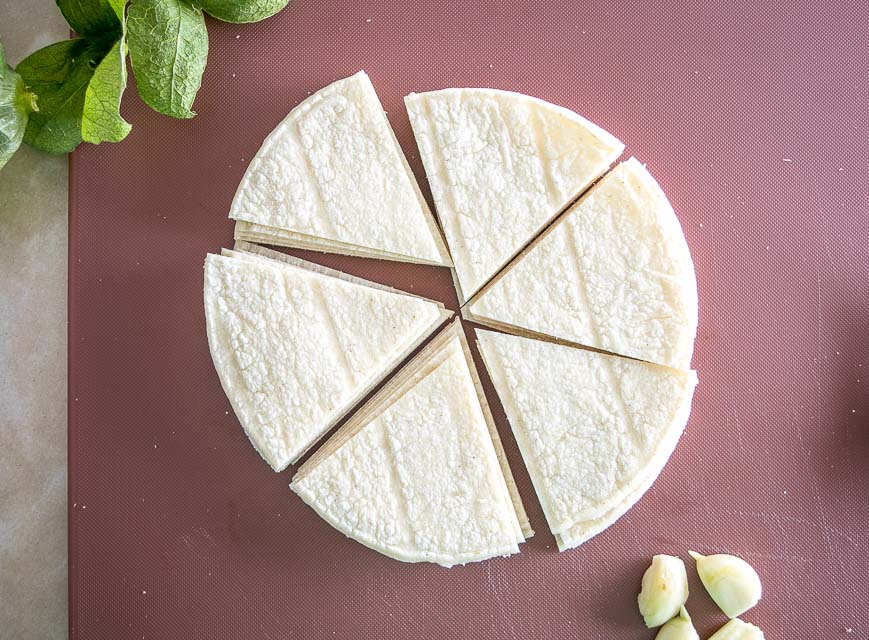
331, 176
613, 273
501, 166
297, 345
418, 473
594, 429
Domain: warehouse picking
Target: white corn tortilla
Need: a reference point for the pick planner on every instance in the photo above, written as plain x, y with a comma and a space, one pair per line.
613, 273
594, 429
296, 345
501, 166
416, 474
332, 175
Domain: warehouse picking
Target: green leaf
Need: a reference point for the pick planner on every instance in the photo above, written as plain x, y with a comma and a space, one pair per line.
241, 10
101, 117
168, 48
59, 74
118, 7
16, 105
98, 19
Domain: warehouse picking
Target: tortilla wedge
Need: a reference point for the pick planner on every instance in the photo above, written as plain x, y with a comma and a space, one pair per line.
418, 473
594, 429
332, 177
297, 345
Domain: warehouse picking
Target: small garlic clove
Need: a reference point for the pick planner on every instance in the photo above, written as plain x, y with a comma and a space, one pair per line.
736, 629
664, 590
731, 582
679, 628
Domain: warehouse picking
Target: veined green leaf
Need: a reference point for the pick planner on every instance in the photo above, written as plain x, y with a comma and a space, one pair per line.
101, 117
241, 10
168, 48
98, 19
59, 74
16, 105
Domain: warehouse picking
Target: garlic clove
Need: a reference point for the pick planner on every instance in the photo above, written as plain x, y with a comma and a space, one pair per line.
731, 582
679, 628
664, 590
736, 629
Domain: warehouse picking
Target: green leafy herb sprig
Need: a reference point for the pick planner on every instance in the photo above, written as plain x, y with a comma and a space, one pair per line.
70, 92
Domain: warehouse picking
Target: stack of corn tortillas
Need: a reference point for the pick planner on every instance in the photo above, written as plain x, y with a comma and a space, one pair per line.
582, 271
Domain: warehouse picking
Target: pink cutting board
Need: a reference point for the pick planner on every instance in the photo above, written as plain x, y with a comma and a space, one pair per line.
754, 120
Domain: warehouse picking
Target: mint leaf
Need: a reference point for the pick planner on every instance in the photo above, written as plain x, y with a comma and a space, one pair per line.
101, 117
59, 74
16, 104
241, 10
92, 18
168, 48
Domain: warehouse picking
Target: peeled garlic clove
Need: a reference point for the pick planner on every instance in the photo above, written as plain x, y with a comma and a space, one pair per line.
736, 629
664, 590
680, 628
731, 582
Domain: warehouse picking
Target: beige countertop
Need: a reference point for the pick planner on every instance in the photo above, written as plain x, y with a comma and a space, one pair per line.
33, 240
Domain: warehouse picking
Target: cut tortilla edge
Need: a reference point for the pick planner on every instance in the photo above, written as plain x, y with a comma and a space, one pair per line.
247, 251
428, 214
256, 232
512, 489
420, 366
249, 248
522, 332
609, 147
669, 220
545, 231
426, 361
496, 375
547, 227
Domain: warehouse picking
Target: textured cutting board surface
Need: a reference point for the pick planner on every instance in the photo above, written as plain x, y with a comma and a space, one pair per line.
756, 122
